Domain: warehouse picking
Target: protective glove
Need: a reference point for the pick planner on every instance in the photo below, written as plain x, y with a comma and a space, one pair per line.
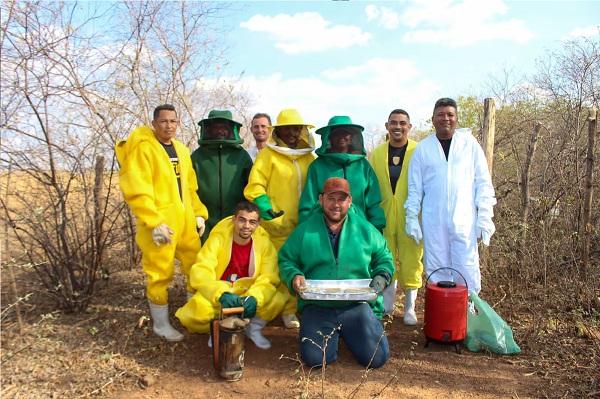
378, 283
274, 215
229, 300
485, 235
413, 228
485, 228
249, 303
161, 234
200, 225
265, 207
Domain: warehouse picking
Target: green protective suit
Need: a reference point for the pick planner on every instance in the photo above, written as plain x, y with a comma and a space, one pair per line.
407, 254
210, 264
149, 186
353, 167
222, 168
362, 254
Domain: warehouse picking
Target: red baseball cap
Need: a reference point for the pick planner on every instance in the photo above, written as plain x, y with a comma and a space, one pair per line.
336, 185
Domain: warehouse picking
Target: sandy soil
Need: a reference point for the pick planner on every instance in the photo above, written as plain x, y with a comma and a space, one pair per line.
111, 352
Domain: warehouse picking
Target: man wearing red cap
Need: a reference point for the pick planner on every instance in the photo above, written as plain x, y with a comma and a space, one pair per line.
337, 243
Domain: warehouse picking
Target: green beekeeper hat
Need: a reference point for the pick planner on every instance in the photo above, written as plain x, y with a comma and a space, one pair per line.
337, 121
219, 114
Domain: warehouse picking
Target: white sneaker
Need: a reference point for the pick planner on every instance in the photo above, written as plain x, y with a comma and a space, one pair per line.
160, 323
290, 321
254, 332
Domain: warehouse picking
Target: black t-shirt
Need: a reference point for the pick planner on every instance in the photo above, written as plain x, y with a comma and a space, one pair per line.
395, 161
170, 148
445, 145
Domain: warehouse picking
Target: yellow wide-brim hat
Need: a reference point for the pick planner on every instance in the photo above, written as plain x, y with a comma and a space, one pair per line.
289, 117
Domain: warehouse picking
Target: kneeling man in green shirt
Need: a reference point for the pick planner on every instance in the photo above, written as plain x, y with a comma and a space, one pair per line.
338, 243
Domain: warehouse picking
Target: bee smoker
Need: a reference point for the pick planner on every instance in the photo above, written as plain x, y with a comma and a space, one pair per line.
228, 346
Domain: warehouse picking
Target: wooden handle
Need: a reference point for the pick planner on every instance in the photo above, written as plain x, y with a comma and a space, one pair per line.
230, 311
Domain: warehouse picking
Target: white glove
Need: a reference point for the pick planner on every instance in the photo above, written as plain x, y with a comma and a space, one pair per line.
200, 225
162, 234
413, 228
485, 229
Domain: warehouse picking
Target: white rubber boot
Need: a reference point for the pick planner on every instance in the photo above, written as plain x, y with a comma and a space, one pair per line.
389, 298
290, 321
410, 298
254, 332
160, 323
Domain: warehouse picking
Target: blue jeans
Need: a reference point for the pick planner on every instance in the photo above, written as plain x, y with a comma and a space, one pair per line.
359, 328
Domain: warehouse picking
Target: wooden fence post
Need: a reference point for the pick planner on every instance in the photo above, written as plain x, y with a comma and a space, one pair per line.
489, 131
588, 190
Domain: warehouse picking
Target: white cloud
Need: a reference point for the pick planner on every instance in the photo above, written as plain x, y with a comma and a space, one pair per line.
586, 31
384, 16
461, 23
367, 92
306, 32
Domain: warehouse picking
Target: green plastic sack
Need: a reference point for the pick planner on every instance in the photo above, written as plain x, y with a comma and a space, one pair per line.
487, 330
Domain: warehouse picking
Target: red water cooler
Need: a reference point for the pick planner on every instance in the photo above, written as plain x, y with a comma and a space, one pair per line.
446, 311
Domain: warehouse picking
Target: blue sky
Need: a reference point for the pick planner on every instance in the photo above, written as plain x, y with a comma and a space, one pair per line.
364, 59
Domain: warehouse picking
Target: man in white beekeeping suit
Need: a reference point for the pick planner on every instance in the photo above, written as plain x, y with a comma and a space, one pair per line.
449, 185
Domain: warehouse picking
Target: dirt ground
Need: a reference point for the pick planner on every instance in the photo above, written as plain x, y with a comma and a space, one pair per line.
111, 352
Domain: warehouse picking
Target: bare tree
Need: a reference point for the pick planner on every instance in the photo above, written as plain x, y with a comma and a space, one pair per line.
70, 91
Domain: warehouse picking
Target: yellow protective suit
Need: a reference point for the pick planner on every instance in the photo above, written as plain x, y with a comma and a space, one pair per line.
210, 264
407, 255
149, 186
279, 173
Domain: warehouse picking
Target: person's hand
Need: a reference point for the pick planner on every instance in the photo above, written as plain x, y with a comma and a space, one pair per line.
249, 303
274, 215
378, 283
413, 228
200, 225
161, 234
229, 300
299, 283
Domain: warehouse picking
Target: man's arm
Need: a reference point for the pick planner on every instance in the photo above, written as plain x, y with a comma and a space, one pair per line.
412, 205
192, 186
310, 194
203, 274
136, 182
382, 262
290, 258
374, 210
485, 198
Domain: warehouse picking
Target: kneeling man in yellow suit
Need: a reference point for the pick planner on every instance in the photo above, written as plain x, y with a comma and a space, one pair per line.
237, 266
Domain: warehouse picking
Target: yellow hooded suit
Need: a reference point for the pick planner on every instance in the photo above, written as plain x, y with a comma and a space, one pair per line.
210, 264
150, 188
407, 254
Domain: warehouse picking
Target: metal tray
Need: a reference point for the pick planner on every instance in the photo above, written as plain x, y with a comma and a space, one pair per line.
339, 290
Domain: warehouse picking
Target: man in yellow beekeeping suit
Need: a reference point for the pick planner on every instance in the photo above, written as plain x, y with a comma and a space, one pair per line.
159, 185
276, 182
390, 161
236, 267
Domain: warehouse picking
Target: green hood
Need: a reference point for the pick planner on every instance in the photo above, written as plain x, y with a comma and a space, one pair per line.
341, 125
232, 135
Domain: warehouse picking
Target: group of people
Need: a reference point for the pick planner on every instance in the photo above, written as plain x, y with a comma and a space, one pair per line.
250, 227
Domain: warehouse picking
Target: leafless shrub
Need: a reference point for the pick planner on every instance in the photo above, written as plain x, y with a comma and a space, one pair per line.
70, 91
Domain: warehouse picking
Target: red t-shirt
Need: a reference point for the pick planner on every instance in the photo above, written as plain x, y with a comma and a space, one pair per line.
239, 262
